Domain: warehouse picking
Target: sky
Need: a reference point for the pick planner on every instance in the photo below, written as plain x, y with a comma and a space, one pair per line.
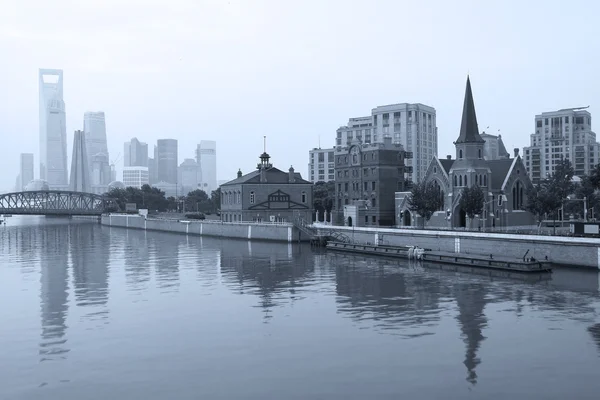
237, 70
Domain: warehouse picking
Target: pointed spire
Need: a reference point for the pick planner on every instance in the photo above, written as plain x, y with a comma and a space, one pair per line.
469, 132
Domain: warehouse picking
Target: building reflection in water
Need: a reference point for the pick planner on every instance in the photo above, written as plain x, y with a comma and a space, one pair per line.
390, 297
164, 251
136, 257
594, 330
267, 270
471, 301
54, 290
90, 254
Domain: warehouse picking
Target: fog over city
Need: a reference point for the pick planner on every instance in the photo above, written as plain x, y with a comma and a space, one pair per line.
235, 71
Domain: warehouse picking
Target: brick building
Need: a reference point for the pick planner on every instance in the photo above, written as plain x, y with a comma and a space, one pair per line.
366, 177
267, 195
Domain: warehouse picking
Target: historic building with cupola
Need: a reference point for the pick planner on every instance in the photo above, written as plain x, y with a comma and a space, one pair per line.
504, 181
267, 194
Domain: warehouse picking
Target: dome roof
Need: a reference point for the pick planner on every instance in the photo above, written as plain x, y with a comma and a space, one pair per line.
37, 184
116, 185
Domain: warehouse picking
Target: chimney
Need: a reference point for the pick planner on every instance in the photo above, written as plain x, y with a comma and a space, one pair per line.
448, 157
239, 173
292, 177
516, 153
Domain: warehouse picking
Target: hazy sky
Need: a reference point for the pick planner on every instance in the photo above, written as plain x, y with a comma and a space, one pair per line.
233, 71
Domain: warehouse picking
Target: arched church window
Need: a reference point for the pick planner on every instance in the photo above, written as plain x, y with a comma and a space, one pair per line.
460, 180
455, 181
480, 154
460, 154
485, 180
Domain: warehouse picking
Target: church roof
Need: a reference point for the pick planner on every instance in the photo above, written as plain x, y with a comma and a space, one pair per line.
446, 164
274, 175
469, 132
499, 170
501, 148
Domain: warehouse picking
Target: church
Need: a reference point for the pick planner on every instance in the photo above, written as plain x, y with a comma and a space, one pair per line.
504, 181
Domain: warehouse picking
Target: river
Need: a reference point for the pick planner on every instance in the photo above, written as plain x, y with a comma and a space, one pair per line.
92, 312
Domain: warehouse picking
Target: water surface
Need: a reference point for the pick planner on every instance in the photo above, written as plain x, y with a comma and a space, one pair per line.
92, 312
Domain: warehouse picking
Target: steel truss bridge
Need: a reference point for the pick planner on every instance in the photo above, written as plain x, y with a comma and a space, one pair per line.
55, 202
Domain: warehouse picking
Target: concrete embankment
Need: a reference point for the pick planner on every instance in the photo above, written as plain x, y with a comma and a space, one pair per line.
567, 251
236, 230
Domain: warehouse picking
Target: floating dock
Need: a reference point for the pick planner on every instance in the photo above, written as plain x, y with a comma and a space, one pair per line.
527, 265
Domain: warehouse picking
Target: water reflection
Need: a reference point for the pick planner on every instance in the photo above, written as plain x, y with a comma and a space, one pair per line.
90, 267
136, 256
164, 251
381, 291
54, 291
594, 330
471, 301
274, 273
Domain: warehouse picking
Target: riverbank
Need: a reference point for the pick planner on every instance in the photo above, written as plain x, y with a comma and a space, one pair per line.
280, 232
565, 251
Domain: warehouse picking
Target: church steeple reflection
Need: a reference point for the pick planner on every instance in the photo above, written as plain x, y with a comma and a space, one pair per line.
470, 298
54, 292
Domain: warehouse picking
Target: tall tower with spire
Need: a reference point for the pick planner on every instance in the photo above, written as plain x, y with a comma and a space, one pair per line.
470, 165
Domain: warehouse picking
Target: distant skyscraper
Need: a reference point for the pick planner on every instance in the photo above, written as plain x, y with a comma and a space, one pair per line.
94, 126
135, 154
152, 170
135, 176
206, 156
80, 176
26, 170
189, 176
166, 160
53, 133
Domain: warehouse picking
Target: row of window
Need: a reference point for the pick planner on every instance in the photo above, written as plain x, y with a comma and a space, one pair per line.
235, 197
461, 180
356, 186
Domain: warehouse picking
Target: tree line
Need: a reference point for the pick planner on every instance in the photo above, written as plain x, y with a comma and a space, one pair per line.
155, 200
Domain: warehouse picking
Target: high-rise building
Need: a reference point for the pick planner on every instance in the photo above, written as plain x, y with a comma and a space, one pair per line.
94, 126
563, 134
135, 176
189, 176
321, 165
206, 157
166, 160
26, 170
152, 170
493, 148
411, 125
53, 133
80, 176
135, 154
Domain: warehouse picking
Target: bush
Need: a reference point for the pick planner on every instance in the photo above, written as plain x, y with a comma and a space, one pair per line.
195, 216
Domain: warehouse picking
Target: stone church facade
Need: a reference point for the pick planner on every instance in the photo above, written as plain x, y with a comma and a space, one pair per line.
503, 180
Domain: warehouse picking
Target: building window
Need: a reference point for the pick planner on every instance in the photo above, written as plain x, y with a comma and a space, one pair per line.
460, 180
365, 186
480, 154
372, 185
303, 197
460, 154
251, 197
374, 219
455, 181
373, 202
366, 219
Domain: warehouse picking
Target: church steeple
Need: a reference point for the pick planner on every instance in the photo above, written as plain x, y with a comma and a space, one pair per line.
469, 132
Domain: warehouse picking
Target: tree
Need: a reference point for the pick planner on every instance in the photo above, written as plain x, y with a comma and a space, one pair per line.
323, 196
561, 181
197, 200
215, 198
472, 201
424, 199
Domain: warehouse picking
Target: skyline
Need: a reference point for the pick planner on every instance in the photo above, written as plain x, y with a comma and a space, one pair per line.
255, 70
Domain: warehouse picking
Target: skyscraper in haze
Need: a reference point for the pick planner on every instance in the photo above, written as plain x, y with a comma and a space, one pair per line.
94, 126
206, 157
26, 170
80, 176
135, 154
53, 133
166, 160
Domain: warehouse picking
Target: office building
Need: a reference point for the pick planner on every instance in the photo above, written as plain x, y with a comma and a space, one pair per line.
563, 134
80, 176
53, 133
189, 174
366, 179
321, 165
503, 181
135, 176
94, 126
267, 195
26, 170
166, 161
206, 157
135, 154
411, 125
